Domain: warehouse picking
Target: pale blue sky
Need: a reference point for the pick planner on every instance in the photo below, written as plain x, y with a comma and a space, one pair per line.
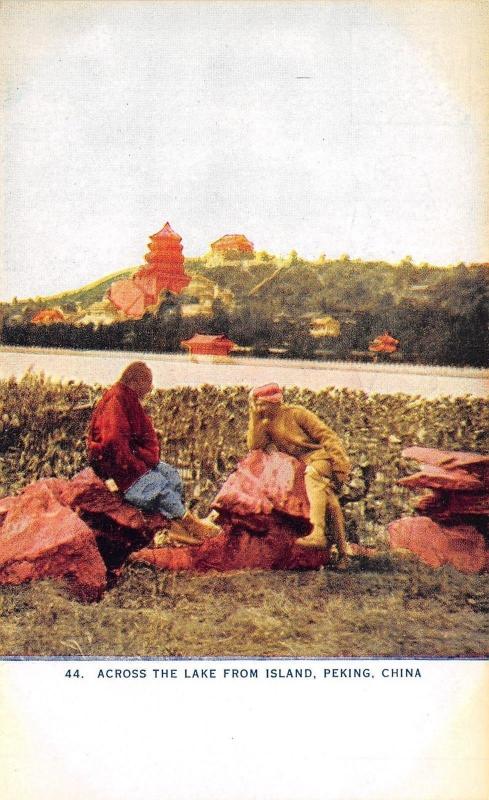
323, 127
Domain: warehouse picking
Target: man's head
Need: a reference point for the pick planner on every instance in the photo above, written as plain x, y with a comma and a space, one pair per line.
138, 377
267, 399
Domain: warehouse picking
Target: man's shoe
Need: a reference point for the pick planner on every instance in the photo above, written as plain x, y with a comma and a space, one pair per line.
200, 528
342, 564
316, 539
178, 535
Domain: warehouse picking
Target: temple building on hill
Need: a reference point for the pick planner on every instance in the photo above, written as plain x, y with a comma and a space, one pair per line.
203, 347
164, 270
102, 312
205, 292
324, 326
232, 247
48, 316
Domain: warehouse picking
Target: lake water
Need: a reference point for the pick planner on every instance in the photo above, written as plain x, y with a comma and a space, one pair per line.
104, 367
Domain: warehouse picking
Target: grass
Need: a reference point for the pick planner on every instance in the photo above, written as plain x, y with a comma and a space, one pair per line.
387, 606
85, 295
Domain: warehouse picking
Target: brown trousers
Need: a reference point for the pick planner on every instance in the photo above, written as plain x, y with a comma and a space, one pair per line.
325, 513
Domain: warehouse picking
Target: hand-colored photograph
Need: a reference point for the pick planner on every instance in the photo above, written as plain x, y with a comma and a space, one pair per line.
244, 330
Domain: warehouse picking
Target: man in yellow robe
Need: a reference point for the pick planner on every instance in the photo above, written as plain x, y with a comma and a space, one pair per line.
294, 430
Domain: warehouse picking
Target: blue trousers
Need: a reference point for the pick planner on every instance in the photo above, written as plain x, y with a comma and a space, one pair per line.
159, 490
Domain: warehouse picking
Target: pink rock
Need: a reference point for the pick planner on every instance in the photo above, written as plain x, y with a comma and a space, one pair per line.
469, 503
86, 492
434, 504
436, 544
438, 478
262, 482
41, 538
446, 458
263, 508
474, 463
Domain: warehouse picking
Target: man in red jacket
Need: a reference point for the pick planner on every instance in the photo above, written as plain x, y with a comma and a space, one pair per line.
123, 446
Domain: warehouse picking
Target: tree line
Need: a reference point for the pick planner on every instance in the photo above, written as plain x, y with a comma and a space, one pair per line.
440, 316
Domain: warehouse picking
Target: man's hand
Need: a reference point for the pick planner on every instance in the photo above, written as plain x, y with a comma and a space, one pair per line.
340, 477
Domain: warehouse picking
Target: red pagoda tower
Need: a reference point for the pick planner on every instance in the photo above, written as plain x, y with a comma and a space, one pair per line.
163, 270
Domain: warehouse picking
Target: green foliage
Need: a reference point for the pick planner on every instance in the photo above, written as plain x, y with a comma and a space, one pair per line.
91, 293
440, 316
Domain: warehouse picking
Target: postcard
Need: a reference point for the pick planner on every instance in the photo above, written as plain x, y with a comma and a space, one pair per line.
244, 448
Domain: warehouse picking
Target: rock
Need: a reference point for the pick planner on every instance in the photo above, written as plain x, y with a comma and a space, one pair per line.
263, 508
436, 543
475, 463
86, 492
434, 505
262, 482
469, 503
41, 538
119, 527
447, 458
75, 529
432, 477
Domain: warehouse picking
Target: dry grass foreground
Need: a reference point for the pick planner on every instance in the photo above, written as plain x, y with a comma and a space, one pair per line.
385, 606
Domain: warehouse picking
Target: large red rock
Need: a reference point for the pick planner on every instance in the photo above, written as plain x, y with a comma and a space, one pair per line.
450, 459
87, 492
41, 538
436, 543
262, 482
438, 478
119, 527
74, 529
474, 463
263, 508
271, 546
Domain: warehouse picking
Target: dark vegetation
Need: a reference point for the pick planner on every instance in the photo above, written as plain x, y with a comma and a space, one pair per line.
385, 606
440, 316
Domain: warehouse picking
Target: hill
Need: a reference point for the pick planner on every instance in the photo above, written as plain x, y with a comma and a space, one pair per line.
85, 296
440, 315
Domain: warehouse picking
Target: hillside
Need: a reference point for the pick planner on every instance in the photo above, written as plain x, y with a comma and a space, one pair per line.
85, 296
440, 315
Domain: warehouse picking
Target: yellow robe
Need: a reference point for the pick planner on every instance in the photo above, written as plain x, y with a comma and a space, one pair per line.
300, 433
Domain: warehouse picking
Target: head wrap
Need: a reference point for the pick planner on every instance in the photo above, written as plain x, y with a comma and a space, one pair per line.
270, 393
134, 372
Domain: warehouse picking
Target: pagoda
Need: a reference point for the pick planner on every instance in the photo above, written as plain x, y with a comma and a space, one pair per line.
232, 242
231, 248
164, 270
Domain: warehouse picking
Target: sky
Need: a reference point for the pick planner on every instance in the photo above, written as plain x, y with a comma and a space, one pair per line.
355, 127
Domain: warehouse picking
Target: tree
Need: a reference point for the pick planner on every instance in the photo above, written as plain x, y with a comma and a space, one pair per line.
220, 322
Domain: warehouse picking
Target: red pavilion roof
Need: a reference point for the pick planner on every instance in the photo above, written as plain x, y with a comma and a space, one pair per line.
166, 232
233, 241
205, 344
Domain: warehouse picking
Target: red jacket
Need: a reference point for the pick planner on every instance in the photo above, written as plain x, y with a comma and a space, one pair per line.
122, 442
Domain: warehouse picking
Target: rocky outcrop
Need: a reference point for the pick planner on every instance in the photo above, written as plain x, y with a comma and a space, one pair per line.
74, 530
437, 544
40, 538
453, 523
263, 508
